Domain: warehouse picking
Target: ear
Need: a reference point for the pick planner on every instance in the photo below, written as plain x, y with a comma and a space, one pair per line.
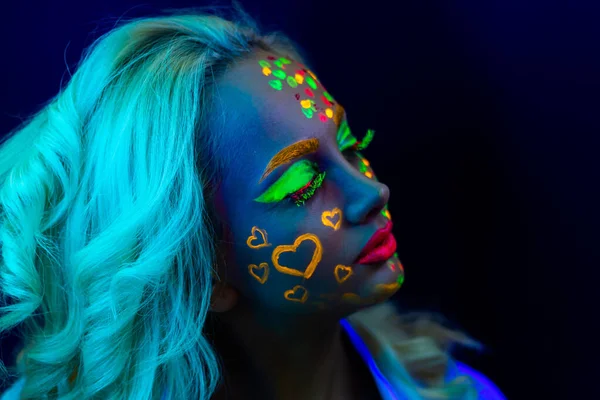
224, 297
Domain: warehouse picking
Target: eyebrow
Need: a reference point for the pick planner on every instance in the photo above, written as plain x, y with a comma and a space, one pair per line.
289, 153
338, 115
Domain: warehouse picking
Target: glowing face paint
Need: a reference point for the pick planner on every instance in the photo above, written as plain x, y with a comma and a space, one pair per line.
327, 218
298, 294
296, 177
291, 81
261, 243
312, 74
298, 78
261, 276
276, 84
310, 269
279, 74
387, 288
289, 153
364, 143
345, 139
386, 213
369, 174
338, 115
308, 190
400, 280
342, 273
310, 82
391, 266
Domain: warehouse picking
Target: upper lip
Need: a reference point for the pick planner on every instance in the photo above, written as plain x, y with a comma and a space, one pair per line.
378, 237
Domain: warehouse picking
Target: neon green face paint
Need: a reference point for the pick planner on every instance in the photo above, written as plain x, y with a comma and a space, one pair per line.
366, 140
292, 81
327, 96
311, 82
285, 60
308, 112
275, 84
264, 64
294, 179
345, 138
279, 74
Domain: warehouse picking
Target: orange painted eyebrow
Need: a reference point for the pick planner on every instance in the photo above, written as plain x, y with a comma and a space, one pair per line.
338, 114
289, 153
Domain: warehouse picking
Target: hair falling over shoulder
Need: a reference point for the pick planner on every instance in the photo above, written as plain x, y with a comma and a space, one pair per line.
107, 249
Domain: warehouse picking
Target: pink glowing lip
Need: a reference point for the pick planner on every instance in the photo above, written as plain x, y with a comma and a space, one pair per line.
381, 247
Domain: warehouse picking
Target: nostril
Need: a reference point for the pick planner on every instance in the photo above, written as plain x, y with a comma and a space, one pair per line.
372, 215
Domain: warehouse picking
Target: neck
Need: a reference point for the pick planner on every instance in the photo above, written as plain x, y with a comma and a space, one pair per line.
286, 356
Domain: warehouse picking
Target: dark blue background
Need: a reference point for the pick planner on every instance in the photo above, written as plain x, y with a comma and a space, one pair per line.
487, 116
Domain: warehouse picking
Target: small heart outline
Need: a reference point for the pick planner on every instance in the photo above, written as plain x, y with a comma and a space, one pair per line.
262, 266
342, 268
263, 234
288, 293
327, 215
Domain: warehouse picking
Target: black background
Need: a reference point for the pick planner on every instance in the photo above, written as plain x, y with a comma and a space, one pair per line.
487, 119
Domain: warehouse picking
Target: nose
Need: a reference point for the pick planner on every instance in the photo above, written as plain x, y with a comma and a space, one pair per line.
366, 200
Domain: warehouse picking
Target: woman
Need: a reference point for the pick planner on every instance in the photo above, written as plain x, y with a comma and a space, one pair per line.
191, 218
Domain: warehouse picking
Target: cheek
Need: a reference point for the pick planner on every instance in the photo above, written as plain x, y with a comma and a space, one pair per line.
271, 258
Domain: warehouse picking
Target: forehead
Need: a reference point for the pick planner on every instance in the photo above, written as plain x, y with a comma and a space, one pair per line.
270, 101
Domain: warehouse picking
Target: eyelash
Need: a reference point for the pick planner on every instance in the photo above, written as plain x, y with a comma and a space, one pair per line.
301, 196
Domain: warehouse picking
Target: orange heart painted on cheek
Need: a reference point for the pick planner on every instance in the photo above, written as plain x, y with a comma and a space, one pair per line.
342, 273
253, 237
264, 267
310, 269
298, 294
328, 216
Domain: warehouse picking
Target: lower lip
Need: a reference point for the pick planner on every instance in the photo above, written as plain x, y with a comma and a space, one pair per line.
381, 253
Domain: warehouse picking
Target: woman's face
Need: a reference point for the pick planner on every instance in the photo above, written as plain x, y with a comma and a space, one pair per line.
296, 211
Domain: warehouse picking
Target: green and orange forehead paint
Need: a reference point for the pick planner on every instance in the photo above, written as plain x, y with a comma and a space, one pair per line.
313, 100
281, 73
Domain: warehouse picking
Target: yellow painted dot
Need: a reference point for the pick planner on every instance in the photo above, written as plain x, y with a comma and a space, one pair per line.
266, 71
313, 75
364, 160
387, 214
368, 174
305, 103
299, 78
329, 112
